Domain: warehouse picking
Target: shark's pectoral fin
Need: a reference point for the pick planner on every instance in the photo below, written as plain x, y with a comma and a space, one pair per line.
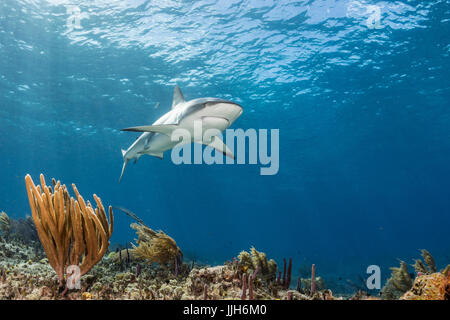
166, 129
220, 146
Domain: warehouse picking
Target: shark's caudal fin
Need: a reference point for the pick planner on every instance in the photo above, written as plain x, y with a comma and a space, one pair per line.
177, 97
125, 162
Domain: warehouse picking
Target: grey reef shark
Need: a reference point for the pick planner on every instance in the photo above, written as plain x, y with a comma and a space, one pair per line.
211, 113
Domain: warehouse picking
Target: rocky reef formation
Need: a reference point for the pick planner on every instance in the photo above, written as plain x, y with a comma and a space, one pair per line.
24, 274
153, 269
435, 286
427, 285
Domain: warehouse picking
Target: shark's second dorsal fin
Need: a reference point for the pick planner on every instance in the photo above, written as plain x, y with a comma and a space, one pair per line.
177, 97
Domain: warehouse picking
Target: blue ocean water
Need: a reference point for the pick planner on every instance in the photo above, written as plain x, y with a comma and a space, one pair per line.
359, 90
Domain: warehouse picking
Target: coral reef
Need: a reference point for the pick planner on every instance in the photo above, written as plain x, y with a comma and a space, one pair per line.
250, 261
5, 225
435, 286
446, 271
23, 277
152, 246
156, 246
306, 284
223, 282
24, 230
71, 231
21, 229
428, 285
25, 273
399, 282
429, 267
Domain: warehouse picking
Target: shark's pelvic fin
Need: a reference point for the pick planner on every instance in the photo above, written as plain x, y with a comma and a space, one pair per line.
177, 97
166, 129
159, 155
220, 146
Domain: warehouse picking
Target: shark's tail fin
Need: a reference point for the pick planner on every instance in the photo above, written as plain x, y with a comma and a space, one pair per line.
125, 162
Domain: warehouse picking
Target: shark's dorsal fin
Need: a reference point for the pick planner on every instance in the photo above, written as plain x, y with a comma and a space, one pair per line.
177, 97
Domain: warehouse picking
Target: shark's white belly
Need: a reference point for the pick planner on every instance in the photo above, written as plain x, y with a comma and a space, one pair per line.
160, 143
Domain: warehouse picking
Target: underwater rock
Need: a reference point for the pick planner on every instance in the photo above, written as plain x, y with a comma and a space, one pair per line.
434, 286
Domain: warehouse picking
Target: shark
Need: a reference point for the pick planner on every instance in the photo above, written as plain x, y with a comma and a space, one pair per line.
211, 113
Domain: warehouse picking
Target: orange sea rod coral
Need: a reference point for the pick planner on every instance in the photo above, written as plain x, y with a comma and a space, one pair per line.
71, 231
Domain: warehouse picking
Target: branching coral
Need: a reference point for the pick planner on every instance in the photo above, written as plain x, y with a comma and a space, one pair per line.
256, 259
430, 266
155, 246
71, 231
5, 225
399, 282
446, 271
